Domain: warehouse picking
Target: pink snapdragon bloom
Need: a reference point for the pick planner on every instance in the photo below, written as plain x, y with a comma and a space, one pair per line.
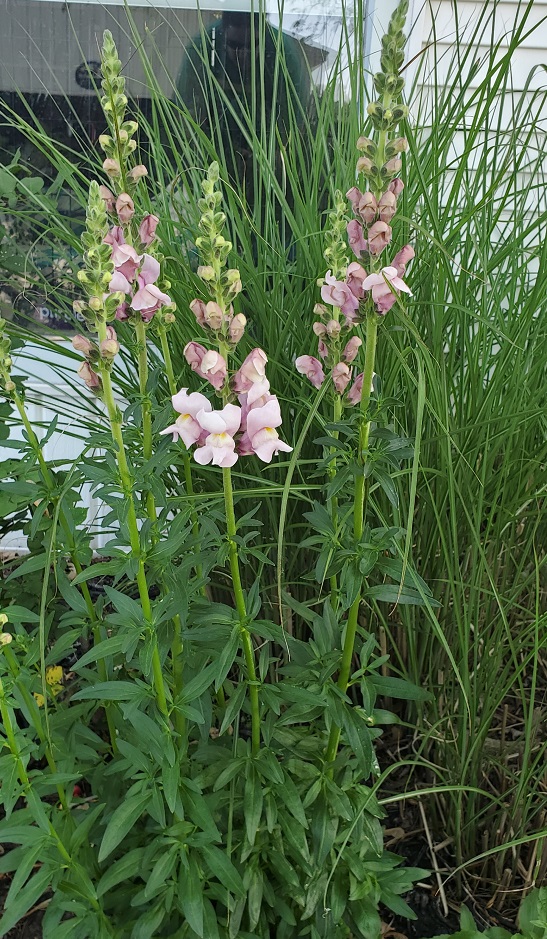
379, 236
396, 186
125, 208
352, 348
337, 293
261, 424
149, 298
82, 344
207, 364
110, 346
138, 172
198, 309
237, 328
250, 378
341, 376
387, 206
213, 367
402, 258
310, 367
213, 315
121, 312
356, 238
186, 427
92, 380
126, 260
147, 229
356, 390
384, 288
322, 349
355, 275
115, 236
108, 197
363, 204
219, 447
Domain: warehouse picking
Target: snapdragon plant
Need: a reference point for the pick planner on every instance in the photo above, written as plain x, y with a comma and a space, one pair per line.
202, 770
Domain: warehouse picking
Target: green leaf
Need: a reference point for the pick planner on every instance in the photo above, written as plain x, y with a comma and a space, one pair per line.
191, 895
112, 691
391, 593
398, 688
227, 657
196, 686
121, 870
122, 821
233, 707
222, 868
106, 647
253, 801
27, 897
532, 915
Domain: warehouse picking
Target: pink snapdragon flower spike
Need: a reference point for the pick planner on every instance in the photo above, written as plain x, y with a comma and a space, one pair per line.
402, 258
261, 424
337, 293
356, 238
311, 367
379, 236
341, 377
186, 427
219, 447
352, 349
385, 286
147, 229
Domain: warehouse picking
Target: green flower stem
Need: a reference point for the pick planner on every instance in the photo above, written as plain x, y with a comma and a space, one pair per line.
115, 419
96, 626
246, 639
337, 415
360, 500
140, 332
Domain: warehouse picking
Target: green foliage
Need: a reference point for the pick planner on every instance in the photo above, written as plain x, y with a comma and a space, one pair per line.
532, 921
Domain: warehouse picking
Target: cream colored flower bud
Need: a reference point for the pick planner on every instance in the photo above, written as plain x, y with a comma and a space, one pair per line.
206, 272
364, 165
3, 619
96, 304
9, 386
105, 141
111, 168
5, 639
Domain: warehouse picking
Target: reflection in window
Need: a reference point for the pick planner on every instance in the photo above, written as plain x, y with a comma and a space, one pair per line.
247, 80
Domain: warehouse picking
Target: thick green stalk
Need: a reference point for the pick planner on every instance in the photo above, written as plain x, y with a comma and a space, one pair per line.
115, 419
246, 639
337, 415
83, 587
140, 332
360, 500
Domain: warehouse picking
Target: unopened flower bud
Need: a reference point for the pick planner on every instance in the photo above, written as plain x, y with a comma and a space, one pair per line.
123, 136
105, 141
213, 315
108, 197
206, 272
138, 172
333, 328
9, 386
379, 236
393, 166
399, 145
90, 377
365, 145
319, 329
320, 309
112, 168
95, 304
82, 344
169, 318
109, 348
131, 146
364, 165
387, 206
78, 307
82, 277
237, 328
147, 229
5, 638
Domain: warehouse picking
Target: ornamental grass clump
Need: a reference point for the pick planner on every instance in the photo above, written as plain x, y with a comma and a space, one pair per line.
202, 770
